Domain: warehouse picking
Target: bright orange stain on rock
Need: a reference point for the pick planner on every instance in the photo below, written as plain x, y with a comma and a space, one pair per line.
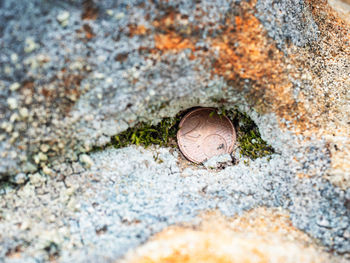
172, 41
137, 30
246, 52
242, 50
260, 235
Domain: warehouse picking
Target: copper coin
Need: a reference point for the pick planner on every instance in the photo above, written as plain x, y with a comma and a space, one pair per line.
203, 134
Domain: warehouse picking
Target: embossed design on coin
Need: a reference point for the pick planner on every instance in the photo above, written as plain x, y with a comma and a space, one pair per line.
203, 134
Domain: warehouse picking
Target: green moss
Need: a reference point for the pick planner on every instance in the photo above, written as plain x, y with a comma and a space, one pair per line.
145, 134
248, 136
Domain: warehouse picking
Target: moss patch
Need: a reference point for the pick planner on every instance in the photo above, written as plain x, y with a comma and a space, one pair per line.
249, 139
145, 134
164, 134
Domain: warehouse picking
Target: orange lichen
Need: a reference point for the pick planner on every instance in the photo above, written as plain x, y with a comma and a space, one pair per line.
90, 11
244, 51
261, 235
303, 175
172, 41
138, 30
166, 21
174, 33
241, 51
89, 33
14, 253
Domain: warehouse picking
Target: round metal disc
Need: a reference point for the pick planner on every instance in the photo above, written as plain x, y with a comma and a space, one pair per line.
203, 134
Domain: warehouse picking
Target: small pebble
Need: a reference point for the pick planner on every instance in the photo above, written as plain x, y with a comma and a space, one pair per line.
15, 86
119, 16
36, 179
12, 102
99, 75
14, 117
109, 12
42, 157
19, 178
8, 127
30, 45
215, 161
47, 170
23, 112
63, 18
44, 148
36, 159
86, 160
14, 57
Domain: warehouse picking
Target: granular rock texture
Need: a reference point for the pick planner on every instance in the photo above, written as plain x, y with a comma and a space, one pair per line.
100, 213
74, 73
258, 236
342, 7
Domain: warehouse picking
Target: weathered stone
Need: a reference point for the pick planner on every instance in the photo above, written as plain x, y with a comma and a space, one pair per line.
260, 235
70, 81
243, 68
86, 160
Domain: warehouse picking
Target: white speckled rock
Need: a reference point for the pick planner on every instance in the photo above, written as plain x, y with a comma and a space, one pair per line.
75, 73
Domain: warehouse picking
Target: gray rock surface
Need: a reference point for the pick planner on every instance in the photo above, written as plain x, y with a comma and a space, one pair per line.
75, 73
97, 214
74, 91
73, 86
296, 25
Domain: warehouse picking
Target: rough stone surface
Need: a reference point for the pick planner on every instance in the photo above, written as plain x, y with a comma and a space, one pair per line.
111, 65
296, 25
342, 7
256, 236
98, 214
74, 73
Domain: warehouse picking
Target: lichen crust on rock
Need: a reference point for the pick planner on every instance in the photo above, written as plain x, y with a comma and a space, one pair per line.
75, 74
